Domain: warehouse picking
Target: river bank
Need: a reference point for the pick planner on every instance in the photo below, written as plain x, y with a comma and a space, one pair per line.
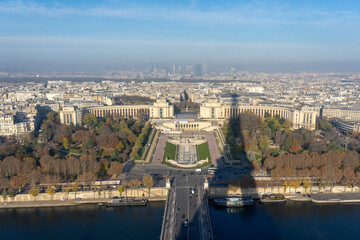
324, 198
156, 193
60, 203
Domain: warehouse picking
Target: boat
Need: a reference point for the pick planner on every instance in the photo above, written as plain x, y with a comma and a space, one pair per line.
271, 198
124, 202
233, 202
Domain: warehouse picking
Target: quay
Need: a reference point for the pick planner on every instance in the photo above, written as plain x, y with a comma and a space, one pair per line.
323, 198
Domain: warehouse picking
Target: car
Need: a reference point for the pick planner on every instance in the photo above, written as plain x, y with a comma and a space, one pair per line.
178, 210
183, 216
63, 199
115, 197
298, 192
79, 198
186, 223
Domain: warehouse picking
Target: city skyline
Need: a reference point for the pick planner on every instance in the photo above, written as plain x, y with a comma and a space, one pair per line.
251, 35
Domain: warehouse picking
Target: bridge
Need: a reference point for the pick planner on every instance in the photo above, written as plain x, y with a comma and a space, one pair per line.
187, 215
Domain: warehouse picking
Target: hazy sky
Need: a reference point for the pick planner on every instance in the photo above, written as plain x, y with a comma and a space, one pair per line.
86, 34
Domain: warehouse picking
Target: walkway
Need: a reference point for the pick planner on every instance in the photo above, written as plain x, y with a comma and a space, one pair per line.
160, 149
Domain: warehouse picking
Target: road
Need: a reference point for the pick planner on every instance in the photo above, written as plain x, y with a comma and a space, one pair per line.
187, 215
187, 201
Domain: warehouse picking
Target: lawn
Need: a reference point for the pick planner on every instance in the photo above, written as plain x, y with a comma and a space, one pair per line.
170, 151
203, 150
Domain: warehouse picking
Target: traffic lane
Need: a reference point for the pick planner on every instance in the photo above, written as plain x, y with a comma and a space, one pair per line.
182, 203
194, 212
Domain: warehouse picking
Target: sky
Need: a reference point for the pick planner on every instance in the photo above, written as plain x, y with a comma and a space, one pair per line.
292, 35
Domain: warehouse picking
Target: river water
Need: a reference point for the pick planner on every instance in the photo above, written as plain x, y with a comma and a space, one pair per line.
271, 221
290, 220
85, 222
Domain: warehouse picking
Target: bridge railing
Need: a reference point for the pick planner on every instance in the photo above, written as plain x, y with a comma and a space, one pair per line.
165, 214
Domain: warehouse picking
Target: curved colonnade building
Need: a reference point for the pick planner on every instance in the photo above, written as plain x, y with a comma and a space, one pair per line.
161, 109
346, 119
304, 117
213, 109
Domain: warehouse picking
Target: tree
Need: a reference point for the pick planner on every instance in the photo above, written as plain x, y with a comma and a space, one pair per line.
286, 186
294, 148
4, 195
34, 192
33, 178
4, 181
349, 177
28, 165
121, 189
133, 184
60, 133
295, 184
263, 143
286, 124
89, 120
306, 184
107, 139
132, 137
115, 168
66, 143
137, 184
50, 190
120, 146
18, 181
74, 187
11, 166
148, 182
67, 190
12, 194
255, 167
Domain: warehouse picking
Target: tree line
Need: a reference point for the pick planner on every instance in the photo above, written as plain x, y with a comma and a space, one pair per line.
61, 153
333, 167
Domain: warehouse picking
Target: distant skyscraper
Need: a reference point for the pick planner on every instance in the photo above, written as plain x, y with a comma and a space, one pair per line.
204, 69
189, 69
197, 70
151, 68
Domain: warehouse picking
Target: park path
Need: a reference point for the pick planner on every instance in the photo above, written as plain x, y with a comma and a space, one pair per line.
160, 149
153, 145
214, 150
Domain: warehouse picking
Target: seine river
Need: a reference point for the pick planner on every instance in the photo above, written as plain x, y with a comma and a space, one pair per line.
270, 221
